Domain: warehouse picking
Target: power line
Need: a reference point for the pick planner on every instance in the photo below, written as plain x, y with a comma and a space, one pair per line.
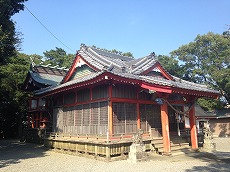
48, 30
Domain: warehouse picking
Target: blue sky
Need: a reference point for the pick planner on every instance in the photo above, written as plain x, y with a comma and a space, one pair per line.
136, 26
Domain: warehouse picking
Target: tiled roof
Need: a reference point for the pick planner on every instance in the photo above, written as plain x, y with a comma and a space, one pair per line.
127, 68
46, 79
72, 82
222, 113
102, 60
43, 76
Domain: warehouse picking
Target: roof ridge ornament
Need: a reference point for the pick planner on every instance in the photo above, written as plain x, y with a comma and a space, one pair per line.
32, 62
151, 55
123, 69
82, 45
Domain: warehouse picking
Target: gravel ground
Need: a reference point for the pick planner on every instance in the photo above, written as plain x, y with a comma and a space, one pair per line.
23, 157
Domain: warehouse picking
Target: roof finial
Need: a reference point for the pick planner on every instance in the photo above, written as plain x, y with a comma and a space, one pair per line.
152, 54
82, 45
32, 62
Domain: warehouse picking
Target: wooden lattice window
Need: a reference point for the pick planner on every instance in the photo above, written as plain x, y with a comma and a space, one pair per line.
103, 113
150, 116
94, 113
78, 115
70, 116
124, 118
86, 114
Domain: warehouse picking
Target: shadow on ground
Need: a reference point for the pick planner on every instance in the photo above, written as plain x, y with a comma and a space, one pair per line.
218, 161
13, 151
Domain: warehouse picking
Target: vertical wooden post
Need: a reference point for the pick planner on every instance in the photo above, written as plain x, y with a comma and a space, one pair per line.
40, 119
165, 129
138, 111
36, 124
138, 116
28, 120
32, 121
91, 93
110, 112
193, 131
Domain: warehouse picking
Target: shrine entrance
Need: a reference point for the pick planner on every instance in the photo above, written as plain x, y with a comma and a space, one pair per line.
176, 121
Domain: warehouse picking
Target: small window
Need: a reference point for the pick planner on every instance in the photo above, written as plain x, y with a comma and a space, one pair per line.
42, 102
33, 104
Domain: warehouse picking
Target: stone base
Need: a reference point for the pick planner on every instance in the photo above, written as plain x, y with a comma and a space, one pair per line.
209, 146
137, 153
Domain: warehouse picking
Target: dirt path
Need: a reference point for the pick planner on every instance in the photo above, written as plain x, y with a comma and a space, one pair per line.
23, 157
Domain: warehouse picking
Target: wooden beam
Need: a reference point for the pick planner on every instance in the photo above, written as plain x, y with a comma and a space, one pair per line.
158, 88
138, 116
40, 119
32, 125
138, 110
165, 129
110, 111
193, 131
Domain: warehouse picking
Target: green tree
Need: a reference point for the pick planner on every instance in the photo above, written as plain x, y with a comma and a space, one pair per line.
171, 65
206, 60
128, 54
58, 57
13, 101
9, 39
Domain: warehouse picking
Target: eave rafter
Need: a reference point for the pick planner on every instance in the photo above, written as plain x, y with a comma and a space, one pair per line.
195, 93
110, 77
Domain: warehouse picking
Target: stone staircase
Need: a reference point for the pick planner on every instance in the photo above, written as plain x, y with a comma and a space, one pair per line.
178, 145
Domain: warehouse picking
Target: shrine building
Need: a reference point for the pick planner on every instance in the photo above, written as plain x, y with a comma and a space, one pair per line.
103, 99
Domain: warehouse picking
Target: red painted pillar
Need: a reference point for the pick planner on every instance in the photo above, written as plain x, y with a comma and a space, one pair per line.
165, 128
138, 110
33, 125
138, 116
193, 131
110, 110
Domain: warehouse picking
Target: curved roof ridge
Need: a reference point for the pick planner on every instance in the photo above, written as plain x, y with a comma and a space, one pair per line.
111, 54
90, 54
188, 82
106, 60
147, 62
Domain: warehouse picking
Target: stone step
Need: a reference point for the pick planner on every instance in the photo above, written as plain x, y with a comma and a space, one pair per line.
179, 144
176, 150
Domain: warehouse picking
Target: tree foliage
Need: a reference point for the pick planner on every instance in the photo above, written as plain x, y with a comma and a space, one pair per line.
58, 57
171, 65
206, 60
9, 39
13, 101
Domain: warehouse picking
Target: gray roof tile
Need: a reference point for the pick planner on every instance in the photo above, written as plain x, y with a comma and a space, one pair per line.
46, 79
127, 68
